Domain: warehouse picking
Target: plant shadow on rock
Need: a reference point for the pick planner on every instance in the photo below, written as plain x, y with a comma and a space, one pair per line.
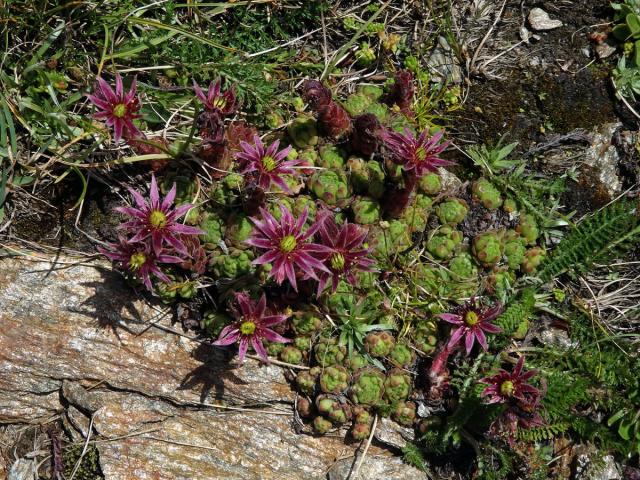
111, 300
213, 372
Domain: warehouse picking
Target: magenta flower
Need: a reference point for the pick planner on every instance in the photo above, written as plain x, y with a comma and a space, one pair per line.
348, 252
416, 154
266, 165
472, 322
251, 326
139, 259
118, 109
158, 220
287, 246
215, 100
506, 386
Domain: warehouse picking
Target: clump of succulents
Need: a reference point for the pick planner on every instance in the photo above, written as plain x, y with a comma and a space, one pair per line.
486, 193
488, 247
379, 344
303, 132
402, 355
330, 186
334, 379
291, 354
366, 211
528, 228
425, 336
443, 243
327, 352
397, 385
367, 387
532, 259
514, 249
367, 292
430, 184
452, 211
405, 413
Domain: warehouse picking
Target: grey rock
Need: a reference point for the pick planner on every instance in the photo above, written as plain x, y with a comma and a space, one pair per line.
371, 468
392, 434
23, 469
603, 156
539, 20
163, 406
590, 465
443, 64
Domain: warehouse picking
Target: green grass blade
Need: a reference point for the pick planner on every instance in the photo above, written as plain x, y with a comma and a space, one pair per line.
11, 127
182, 31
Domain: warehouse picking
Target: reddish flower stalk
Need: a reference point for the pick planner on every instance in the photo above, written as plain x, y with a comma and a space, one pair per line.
287, 246
266, 165
251, 327
401, 93
333, 120
158, 220
397, 198
117, 108
349, 254
139, 259
472, 322
365, 136
438, 374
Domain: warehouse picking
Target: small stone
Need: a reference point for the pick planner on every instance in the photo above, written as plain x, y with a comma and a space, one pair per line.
539, 20
393, 434
604, 50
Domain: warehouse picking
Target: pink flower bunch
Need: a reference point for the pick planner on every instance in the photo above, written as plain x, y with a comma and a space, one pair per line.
153, 236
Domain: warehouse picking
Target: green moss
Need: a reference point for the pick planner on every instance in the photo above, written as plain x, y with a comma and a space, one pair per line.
89, 468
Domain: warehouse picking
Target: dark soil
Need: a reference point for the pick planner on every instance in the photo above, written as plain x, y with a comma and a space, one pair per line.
551, 88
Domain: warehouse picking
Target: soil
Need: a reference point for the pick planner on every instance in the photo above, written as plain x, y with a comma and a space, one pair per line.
548, 86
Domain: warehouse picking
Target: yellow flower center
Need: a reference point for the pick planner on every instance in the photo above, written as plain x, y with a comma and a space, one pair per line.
288, 244
471, 318
137, 260
268, 163
337, 261
220, 103
120, 110
506, 388
421, 153
157, 219
247, 328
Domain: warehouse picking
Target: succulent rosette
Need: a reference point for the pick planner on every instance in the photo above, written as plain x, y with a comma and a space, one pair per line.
265, 165
252, 327
472, 322
157, 219
287, 246
117, 108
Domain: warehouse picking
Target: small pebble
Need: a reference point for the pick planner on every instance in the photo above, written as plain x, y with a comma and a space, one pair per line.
539, 20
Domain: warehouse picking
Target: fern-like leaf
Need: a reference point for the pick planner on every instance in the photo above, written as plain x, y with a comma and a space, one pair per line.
594, 239
545, 432
518, 311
